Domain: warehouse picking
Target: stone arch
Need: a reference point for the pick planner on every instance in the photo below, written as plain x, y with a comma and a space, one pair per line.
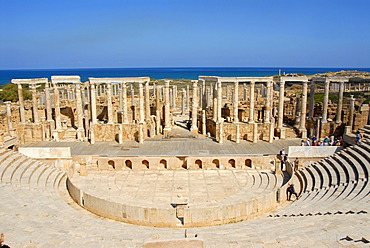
232, 163
228, 137
163, 162
199, 163
112, 164
128, 164
248, 163
145, 163
216, 163
245, 137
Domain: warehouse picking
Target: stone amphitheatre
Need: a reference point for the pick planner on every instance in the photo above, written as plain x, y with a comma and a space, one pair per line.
137, 162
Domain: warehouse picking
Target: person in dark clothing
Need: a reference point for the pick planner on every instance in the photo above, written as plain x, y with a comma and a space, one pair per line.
291, 191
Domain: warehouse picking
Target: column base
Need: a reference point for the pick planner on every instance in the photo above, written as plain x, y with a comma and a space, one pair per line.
303, 133
282, 133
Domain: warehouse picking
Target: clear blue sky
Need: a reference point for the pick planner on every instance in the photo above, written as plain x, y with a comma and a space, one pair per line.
171, 33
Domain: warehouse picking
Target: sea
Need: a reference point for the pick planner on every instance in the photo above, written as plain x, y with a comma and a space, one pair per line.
164, 73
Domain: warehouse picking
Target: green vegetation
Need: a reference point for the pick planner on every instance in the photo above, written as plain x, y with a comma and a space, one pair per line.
10, 93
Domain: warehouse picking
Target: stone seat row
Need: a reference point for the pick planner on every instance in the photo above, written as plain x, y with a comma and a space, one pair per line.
339, 182
21, 171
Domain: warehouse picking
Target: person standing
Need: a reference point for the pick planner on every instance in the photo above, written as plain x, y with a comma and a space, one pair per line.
291, 191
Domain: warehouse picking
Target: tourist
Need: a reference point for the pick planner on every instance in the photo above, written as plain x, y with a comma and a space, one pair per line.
326, 141
291, 191
358, 137
308, 142
296, 164
302, 143
2, 240
313, 139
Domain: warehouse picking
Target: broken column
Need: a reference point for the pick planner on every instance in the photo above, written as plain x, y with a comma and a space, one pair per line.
302, 126
251, 102
236, 102
326, 102
340, 103
194, 111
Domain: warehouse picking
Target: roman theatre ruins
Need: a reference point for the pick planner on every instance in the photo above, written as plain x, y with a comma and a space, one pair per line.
160, 157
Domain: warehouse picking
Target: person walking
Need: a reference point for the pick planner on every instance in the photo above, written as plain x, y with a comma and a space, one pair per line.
291, 191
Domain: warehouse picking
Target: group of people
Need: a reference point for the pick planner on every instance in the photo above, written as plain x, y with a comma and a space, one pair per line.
284, 159
325, 142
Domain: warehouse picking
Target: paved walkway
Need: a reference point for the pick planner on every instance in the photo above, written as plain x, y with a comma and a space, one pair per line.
172, 147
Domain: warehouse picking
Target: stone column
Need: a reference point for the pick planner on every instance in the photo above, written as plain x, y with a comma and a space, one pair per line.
221, 131
79, 112
340, 103
219, 101
255, 132
21, 104
187, 98
132, 92
245, 92
141, 104
157, 120
147, 103
48, 103
351, 111
120, 97
272, 129
194, 111
267, 114
281, 105
326, 101
237, 136
110, 104
214, 102
9, 115
124, 104
34, 104
58, 120
312, 100
183, 102
236, 102
204, 124
302, 123
93, 103
251, 105
167, 121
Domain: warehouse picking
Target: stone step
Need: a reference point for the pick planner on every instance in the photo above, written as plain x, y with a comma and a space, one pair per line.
16, 175
8, 162
8, 173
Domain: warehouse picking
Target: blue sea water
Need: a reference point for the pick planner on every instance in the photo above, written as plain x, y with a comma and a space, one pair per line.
161, 73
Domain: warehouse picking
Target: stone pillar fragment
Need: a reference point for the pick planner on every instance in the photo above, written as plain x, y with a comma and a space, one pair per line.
255, 132
219, 101
147, 103
194, 111
141, 104
302, 126
267, 114
183, 102
251, 103
124, 104
48, 102
340, 103
236, 102
351, 111
58, 121
79, 112
312, 100
237, 135
326, 102
93, 103
110, 104
167, 121
34, 104
281, 105
21, 104
204, 122
9, 115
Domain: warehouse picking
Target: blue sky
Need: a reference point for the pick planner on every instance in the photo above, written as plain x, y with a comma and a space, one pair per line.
171, 33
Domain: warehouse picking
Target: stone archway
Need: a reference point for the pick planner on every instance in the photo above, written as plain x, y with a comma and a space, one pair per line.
145, 163
199, 164
232, 163
163, 163
128, 164
111, 163
216, 163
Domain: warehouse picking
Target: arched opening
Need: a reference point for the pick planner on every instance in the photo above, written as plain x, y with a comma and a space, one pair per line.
111, 163
228, 137
198, 163
216, 163
232, 163
145, 163
245, 137
128, 164
163, 163
248, 163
